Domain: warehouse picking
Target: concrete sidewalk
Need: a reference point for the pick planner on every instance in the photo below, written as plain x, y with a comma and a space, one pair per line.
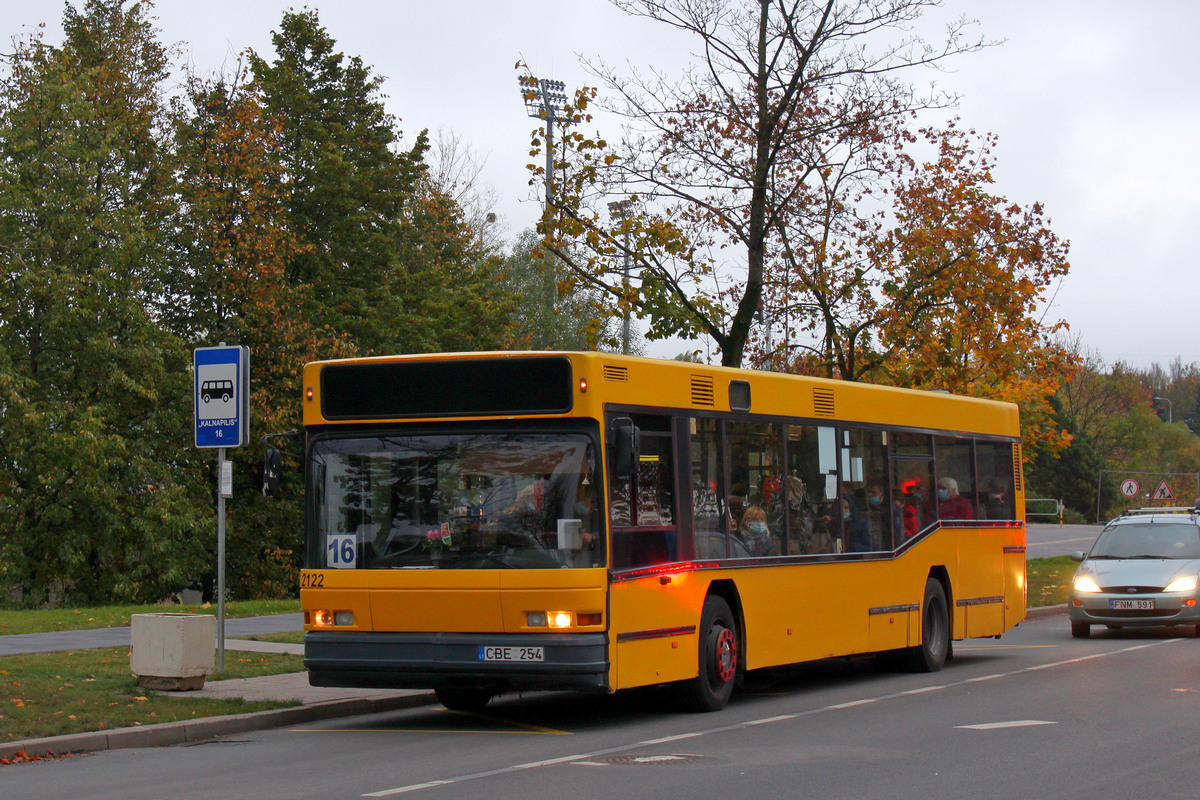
313, 702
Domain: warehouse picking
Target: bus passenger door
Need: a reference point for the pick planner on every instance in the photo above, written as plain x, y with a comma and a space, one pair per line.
652, 613
641, 501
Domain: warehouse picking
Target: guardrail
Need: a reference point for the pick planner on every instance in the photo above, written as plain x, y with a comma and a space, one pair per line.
1057, 512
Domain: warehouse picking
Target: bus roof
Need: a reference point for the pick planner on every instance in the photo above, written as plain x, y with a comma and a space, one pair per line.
572, 384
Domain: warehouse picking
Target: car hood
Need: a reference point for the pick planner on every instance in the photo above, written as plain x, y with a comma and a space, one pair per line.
1139, 571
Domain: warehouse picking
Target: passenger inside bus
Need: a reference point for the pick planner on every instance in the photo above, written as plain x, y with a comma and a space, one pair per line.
952, 505
858, 532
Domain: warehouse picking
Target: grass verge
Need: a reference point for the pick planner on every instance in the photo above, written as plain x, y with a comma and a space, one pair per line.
50, 694
43, 620
1049, 579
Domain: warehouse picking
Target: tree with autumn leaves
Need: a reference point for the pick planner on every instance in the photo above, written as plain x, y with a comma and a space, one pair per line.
786, 205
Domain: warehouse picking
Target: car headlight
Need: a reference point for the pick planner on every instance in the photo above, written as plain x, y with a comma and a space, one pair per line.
1084, 583
1185, 584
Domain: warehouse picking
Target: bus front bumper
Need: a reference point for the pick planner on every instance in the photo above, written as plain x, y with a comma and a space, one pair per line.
503, 662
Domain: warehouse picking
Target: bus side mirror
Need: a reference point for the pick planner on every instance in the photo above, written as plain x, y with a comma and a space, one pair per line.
270, 472
626, 448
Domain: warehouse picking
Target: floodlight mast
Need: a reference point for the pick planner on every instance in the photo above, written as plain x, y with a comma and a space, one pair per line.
545, 99
620, 210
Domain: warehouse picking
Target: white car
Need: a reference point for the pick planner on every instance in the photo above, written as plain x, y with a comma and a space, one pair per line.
1143, 570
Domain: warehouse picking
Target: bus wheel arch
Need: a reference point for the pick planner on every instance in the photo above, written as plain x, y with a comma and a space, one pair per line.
936, 644
720, 649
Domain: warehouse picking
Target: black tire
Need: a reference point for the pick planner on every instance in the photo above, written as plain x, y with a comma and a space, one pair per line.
718, 655
1080, 630
462, 699
931, 654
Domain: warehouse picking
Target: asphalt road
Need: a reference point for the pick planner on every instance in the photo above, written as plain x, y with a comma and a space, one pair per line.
1034, 714
1044, 541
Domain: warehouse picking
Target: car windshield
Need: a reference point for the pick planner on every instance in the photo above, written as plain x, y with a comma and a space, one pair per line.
1148, 540
464, 501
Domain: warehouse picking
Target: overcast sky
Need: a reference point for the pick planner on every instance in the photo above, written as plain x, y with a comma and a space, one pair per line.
1095, 104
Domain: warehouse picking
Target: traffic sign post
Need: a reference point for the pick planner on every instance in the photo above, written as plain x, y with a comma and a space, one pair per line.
221, 397
1163, 492
1131, 488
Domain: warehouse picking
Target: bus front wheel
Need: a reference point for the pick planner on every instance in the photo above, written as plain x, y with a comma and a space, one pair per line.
718, 646
930, 655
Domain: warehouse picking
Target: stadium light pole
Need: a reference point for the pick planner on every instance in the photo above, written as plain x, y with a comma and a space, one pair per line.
619, 209
545, 99
1167, 400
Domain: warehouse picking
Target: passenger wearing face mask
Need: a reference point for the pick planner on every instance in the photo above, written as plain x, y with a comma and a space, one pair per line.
952, 505
755, 533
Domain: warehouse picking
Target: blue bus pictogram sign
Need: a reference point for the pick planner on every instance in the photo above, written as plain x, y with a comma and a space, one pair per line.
221, 396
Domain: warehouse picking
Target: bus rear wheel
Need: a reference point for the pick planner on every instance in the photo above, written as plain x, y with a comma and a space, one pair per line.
458, 698
930, 655
718, 653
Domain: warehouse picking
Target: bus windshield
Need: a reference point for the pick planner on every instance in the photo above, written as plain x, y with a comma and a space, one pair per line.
456, 501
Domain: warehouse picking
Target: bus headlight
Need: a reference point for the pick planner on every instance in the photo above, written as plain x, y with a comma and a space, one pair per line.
325, 618
548, 619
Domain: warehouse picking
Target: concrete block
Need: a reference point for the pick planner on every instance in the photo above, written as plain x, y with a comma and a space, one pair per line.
173, 652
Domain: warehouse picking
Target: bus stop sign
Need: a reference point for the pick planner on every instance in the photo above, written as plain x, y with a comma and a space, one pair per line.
221, 394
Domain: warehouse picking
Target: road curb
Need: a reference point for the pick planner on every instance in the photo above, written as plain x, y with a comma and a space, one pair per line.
1041, 612
204, 728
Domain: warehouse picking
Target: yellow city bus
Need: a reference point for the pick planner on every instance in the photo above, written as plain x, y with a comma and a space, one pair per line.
480, 523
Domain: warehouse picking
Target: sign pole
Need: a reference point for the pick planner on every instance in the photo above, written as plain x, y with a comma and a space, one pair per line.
220, 560
221, 398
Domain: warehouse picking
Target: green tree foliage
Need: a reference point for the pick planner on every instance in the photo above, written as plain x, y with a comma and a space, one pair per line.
1069, 473
1116, 432
279, 213
98, 500
345, 184
383, 249
234, 246
554, 312
445, 296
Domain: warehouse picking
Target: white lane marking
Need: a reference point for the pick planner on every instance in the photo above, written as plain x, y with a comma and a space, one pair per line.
742, 725
854, 703
1016, 723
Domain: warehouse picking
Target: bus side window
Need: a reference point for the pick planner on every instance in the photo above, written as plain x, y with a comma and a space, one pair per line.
996, 463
